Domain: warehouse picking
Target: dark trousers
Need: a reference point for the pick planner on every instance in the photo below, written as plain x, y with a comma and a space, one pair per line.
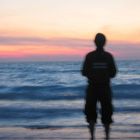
102, 94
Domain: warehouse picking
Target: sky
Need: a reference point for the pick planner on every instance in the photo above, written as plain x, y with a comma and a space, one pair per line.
51, 30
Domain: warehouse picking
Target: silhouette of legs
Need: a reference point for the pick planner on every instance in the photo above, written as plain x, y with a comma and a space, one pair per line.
91, 129
107, 130
106, 109
101, 94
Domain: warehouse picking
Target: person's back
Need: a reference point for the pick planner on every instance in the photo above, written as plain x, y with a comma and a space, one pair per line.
99, 68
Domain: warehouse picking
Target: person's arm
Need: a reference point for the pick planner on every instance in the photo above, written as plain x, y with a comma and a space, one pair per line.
85, 67
112, 68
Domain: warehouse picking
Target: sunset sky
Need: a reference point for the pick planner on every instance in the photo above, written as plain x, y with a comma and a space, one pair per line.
44, 30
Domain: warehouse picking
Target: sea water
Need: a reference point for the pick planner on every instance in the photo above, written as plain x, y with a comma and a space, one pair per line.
51, 94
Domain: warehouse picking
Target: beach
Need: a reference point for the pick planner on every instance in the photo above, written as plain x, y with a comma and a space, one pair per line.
65, 134
45, 100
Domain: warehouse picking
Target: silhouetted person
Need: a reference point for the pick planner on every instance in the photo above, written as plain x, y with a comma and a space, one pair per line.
99, 67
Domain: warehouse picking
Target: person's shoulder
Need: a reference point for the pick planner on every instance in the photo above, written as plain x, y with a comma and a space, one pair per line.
90, 53
108, 54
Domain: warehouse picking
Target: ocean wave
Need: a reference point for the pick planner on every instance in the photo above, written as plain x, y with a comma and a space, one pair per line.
38, 113
137, 126
59, 92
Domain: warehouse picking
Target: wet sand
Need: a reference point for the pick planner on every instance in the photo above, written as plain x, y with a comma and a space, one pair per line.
15, 133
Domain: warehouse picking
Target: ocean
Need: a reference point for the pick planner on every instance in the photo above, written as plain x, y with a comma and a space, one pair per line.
51, 95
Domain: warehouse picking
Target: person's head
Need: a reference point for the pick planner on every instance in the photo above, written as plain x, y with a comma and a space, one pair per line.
100, 40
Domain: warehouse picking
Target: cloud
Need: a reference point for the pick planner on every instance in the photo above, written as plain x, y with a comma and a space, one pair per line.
74, 46
68, 42
125, 50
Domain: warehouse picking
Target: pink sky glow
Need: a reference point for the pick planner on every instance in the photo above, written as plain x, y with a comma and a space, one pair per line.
48, 30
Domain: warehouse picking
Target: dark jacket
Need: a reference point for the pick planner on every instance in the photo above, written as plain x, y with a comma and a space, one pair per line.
99, 67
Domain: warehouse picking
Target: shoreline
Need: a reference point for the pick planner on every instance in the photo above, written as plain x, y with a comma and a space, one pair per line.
19, 133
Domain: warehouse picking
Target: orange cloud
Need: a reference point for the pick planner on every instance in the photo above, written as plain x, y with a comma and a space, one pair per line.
42, 48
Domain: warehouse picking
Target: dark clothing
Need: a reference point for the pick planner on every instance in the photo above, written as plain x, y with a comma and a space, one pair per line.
102, 94
99, 68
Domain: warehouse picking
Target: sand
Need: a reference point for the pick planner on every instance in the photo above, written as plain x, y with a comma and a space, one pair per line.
15, 133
